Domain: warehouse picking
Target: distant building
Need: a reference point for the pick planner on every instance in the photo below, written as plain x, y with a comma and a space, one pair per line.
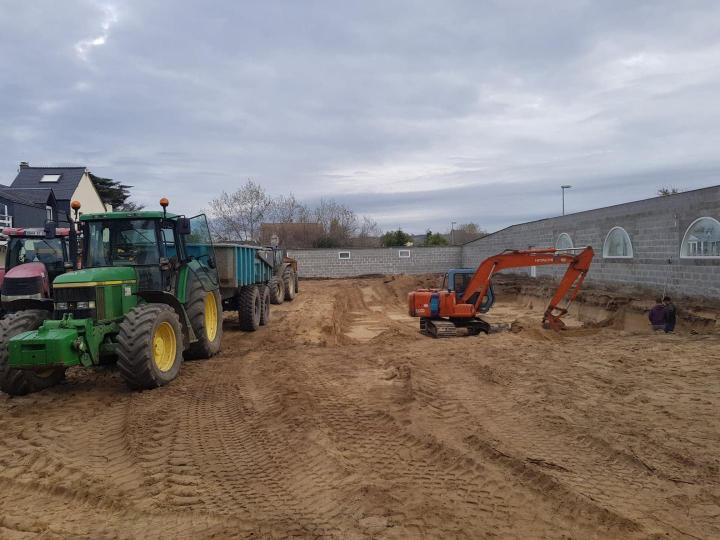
66, 183
291, 235
30, 207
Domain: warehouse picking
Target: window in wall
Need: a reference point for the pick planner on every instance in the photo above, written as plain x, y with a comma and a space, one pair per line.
48, 213
343, 254
617, 245
702, 239
404, 253
564, 242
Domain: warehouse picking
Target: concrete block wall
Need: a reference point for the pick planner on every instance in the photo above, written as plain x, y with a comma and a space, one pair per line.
656, 228
362, 261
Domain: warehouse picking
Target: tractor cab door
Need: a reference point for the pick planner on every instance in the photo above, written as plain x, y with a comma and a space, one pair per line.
199, 247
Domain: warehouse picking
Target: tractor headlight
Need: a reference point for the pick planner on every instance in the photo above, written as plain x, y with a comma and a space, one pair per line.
61, 306
86, 305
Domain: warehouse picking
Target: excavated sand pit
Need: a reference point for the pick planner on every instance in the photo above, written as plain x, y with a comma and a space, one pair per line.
341, 420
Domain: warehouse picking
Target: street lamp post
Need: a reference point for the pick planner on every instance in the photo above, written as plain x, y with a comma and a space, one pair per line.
563, 196
452, 232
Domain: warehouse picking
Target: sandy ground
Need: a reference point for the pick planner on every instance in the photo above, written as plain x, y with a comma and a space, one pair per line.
340, 420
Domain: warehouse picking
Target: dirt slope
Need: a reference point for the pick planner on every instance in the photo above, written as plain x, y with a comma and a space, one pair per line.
340, 420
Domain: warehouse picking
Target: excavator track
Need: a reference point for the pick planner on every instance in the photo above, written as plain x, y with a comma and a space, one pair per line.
438, 329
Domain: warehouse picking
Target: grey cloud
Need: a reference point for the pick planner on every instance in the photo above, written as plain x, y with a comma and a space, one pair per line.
417, 113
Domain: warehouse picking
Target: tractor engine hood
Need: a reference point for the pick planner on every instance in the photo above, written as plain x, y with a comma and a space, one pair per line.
94, 277
29, 280
27, 270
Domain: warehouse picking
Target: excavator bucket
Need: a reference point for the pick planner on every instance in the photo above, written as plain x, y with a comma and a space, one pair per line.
552, 322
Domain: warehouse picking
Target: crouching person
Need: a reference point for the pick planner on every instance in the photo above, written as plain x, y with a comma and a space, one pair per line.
657, 316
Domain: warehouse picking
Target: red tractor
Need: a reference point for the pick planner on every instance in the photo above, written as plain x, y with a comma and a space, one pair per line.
34, 258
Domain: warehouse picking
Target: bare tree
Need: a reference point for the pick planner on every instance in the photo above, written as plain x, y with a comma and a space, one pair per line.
287, 209
238, 215
467, 232
338, 221
370, 233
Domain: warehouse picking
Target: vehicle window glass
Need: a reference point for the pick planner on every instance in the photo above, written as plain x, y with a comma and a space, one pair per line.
198, 243
168, 237
122, 243
26, 250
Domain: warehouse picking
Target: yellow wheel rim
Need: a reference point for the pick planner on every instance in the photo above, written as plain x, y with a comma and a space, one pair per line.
211, 316
164, 346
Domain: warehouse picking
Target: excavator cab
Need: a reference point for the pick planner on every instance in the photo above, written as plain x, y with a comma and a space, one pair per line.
458, 279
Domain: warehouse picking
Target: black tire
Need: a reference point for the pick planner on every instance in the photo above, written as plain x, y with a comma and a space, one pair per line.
250, 308
288, 278
18, 382
206, 346
277, 290
297, 283
265, 299
135, 349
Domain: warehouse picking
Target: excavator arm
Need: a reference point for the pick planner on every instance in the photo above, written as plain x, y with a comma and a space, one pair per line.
578, 266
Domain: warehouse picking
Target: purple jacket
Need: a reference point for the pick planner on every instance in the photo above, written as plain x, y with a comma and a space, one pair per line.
657, 315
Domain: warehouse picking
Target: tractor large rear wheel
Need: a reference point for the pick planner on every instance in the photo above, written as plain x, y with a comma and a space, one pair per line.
150, 346
250, 308
288, 278
277, 290
265, 301
18, 382
204, 309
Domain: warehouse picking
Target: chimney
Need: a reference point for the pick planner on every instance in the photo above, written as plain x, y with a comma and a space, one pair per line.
24, 165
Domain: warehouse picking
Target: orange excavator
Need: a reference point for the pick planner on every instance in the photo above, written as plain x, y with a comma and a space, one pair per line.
466, 293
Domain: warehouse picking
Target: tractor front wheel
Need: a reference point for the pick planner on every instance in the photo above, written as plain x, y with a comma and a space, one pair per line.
150, 346
18, 382
250, 308
204, 309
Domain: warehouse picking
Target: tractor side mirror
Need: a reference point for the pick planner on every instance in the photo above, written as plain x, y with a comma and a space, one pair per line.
50, 230
183, 226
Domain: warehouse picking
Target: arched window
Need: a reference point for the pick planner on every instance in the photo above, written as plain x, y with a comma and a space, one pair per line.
702, 239
564, 242
617, 245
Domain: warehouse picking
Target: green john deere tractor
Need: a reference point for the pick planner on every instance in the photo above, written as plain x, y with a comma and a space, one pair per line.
146, 296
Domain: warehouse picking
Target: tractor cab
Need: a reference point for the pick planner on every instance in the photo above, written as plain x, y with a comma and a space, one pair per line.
35, 257
457, 281
154, 244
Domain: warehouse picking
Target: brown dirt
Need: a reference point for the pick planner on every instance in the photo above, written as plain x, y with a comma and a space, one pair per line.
340, 420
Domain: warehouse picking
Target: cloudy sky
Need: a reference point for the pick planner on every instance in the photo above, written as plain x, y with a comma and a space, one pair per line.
416, 113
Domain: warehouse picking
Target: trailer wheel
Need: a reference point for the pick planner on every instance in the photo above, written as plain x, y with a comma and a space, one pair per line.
265, 300
150, 346
204, 309
288, 278
277, 290
250, 308
18, 382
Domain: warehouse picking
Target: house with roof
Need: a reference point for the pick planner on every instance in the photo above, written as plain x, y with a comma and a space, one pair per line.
66, 184
30, 207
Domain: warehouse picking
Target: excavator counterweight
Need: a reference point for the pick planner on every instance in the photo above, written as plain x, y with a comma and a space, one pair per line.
469, 293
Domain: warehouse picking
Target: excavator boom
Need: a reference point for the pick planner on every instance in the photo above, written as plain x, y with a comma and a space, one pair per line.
446, 309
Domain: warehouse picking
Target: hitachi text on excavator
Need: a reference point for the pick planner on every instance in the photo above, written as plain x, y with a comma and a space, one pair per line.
466, 293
